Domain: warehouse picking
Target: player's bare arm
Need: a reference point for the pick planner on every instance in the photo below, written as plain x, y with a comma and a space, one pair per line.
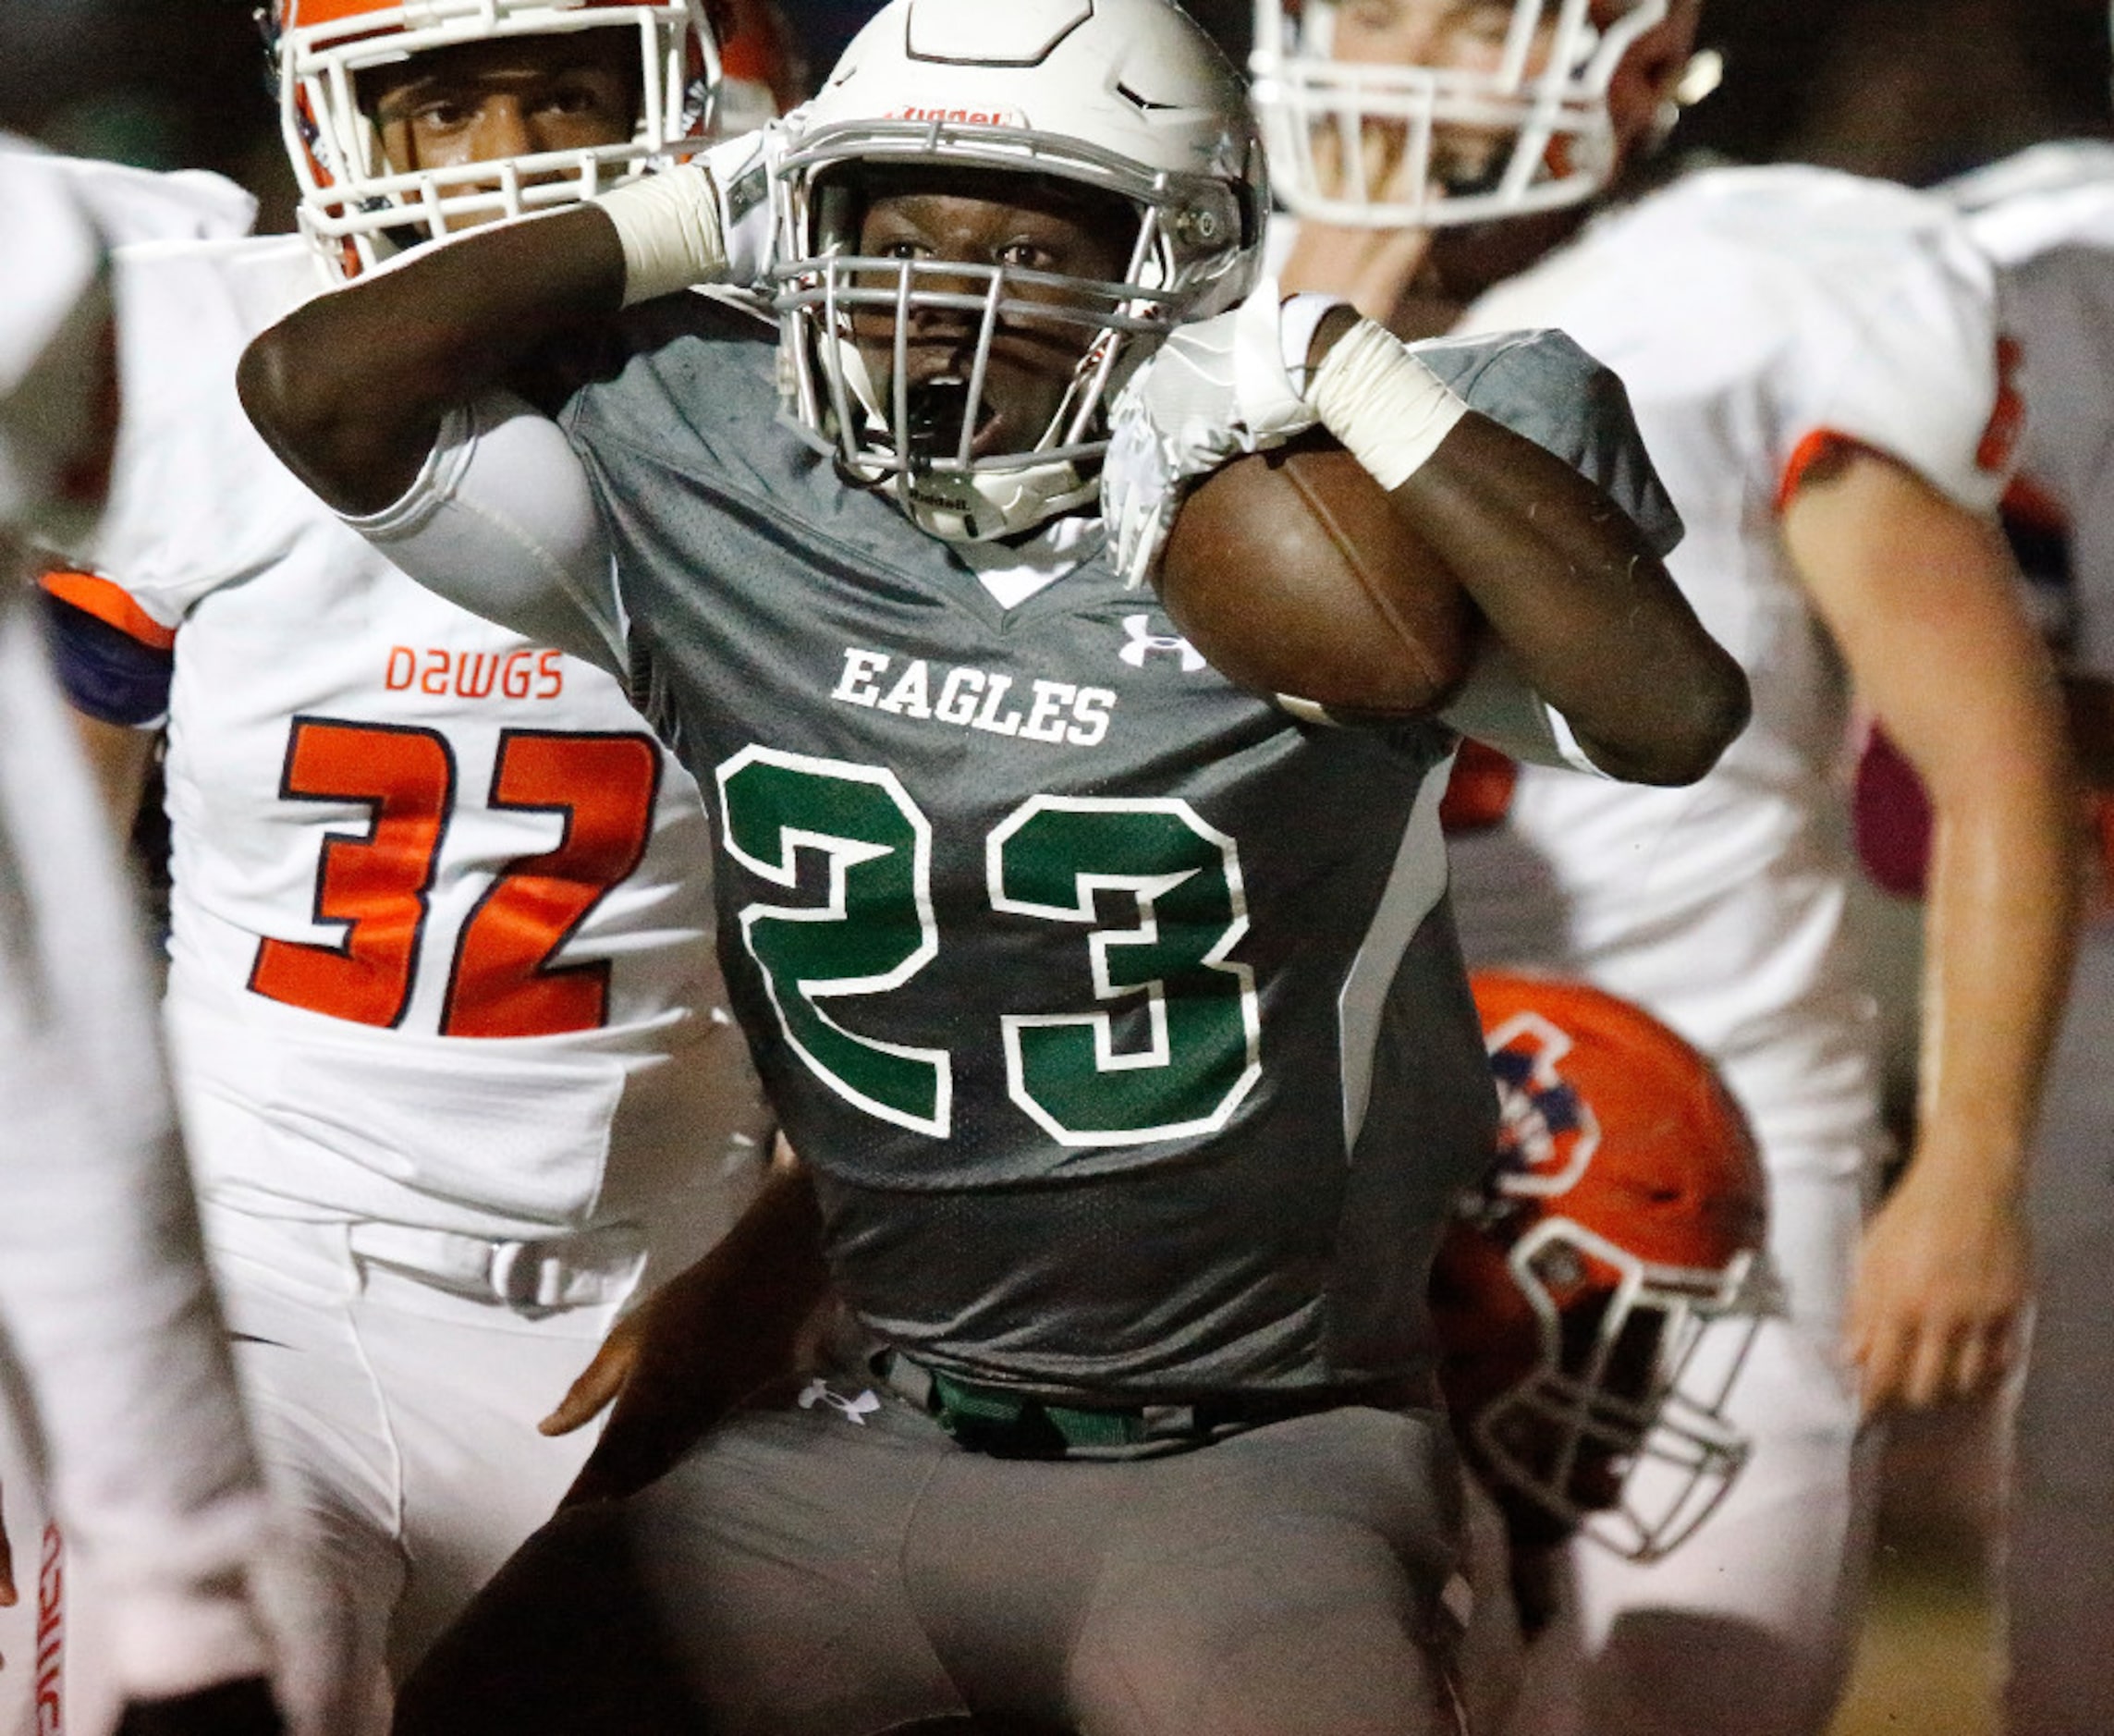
1956, 673
1573, 587
350, 389
1578, 595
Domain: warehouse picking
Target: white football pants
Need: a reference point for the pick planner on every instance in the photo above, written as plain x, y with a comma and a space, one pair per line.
395, 1419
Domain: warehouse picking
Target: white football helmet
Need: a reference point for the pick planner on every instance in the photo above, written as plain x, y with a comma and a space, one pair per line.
357, 211
1124, 97
1494, 110
1595, 1300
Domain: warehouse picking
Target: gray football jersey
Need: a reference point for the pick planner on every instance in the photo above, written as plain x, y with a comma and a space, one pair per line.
1118, 1012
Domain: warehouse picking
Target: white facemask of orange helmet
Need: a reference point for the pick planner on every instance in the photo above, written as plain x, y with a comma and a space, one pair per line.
358, 210
1596, 1299
1386, 114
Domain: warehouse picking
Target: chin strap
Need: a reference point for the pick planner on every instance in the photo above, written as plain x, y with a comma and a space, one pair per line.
984, 507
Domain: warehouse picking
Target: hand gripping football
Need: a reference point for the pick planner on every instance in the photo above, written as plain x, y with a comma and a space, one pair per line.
1292, 573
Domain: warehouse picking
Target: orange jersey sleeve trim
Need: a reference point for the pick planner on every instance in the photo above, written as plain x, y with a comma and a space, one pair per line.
1820, 443
2000, 443
110, 604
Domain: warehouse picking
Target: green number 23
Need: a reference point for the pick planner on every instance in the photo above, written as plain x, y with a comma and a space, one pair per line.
1054, 860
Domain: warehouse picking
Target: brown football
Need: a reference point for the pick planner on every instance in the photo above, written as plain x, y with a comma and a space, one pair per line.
1292, 573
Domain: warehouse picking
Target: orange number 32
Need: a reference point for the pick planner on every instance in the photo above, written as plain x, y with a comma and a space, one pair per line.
501, 982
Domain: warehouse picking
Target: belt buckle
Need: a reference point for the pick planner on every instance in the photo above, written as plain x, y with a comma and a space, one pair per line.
525, 1275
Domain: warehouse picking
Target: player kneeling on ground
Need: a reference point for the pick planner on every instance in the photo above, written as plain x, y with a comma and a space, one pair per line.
1114, 1008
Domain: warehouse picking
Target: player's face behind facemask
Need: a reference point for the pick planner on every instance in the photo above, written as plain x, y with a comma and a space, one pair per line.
977, 314
1437, 113
518, 102
407, 122
1118, 115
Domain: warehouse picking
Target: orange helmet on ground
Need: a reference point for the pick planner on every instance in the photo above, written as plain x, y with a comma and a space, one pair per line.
1597, 1297
358, 210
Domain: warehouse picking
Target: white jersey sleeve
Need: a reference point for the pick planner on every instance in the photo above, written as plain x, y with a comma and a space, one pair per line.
197, 500
104, 1295
1838, 307
135, 205
502, 521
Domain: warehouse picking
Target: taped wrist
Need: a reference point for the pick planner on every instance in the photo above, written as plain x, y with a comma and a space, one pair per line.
1388, 409
671, 229
1298, 321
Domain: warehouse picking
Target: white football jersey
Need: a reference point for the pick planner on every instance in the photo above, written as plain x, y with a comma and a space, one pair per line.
442, 949
1753, 313
2047, 217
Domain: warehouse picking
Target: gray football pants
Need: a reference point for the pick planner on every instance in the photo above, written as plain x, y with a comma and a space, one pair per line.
808, 1572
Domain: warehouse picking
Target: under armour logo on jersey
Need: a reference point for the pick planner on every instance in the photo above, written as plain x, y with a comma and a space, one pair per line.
1547, 1132
1145, 642
858, 1409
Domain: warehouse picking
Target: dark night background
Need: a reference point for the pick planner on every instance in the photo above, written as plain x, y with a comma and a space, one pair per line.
1914, 89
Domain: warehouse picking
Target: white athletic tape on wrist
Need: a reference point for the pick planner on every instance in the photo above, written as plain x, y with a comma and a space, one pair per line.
671, 230
1298, 321
1390, 410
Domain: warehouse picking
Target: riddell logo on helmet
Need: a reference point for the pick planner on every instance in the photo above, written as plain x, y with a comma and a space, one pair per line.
961, 117
1547, 1131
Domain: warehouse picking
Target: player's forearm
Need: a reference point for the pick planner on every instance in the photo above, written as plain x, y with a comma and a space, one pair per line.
778, 1245
1923, 599
1589, 612
1998, 932
350, 389
1565, 578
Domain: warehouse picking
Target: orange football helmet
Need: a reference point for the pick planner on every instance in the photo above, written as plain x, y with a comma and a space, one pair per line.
1626, 1214
358, 210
